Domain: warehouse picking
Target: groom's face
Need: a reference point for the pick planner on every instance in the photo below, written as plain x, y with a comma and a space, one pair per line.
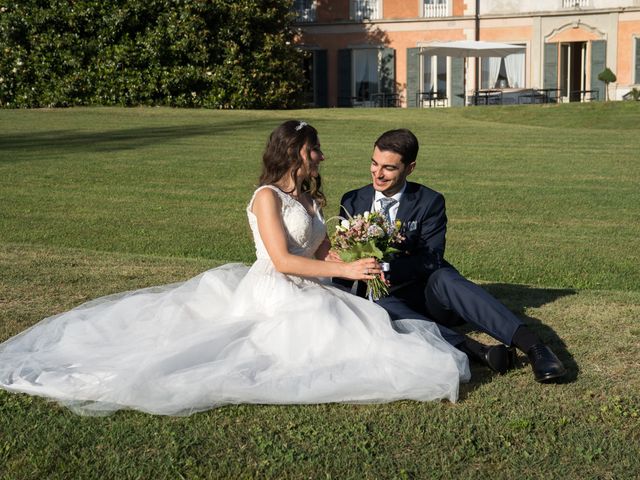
388, 172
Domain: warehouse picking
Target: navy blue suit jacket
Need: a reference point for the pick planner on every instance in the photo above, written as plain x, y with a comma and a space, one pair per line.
424, 224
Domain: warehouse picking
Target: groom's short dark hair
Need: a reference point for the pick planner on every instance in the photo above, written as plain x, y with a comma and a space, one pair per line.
400, 141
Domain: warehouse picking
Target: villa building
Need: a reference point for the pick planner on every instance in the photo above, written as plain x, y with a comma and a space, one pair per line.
366, 52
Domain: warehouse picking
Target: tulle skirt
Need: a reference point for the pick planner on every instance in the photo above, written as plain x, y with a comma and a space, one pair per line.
233, 334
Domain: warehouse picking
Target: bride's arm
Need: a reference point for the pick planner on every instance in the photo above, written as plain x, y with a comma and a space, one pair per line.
266, 208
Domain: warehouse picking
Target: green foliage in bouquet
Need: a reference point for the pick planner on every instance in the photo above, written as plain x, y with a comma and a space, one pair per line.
366, 250
364, 236
217, 54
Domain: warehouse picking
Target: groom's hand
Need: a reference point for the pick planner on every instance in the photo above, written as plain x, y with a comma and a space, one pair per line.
332, 256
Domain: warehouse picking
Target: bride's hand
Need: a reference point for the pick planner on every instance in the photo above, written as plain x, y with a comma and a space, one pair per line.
363, 269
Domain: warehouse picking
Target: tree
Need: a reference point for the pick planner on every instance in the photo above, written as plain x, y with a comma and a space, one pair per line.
217, 54
607, 76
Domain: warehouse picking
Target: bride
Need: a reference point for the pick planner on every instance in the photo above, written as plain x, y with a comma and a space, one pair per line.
276, 332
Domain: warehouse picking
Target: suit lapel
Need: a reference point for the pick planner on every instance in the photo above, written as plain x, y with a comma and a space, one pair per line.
407, 204
364, 200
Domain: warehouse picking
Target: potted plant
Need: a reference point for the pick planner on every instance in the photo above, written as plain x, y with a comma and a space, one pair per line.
607, 76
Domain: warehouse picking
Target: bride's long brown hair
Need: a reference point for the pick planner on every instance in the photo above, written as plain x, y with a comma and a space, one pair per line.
282, 155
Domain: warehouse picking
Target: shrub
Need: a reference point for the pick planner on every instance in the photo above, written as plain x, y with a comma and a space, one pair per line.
217, 54
607, 76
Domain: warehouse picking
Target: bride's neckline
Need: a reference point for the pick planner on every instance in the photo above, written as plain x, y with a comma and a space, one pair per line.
311, 214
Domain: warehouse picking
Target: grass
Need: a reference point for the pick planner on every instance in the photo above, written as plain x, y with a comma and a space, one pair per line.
543, 206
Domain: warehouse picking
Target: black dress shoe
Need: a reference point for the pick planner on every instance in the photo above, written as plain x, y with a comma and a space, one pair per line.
544, 363
497, 358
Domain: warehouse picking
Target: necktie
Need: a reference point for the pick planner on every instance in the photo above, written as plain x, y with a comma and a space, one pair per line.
385, 205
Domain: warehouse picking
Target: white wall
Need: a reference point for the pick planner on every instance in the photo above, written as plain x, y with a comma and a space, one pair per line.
529, 6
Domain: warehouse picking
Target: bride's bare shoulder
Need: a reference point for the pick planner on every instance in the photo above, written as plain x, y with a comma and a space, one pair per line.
265, 197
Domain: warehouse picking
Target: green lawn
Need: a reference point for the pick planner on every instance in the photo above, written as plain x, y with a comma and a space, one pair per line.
544, 210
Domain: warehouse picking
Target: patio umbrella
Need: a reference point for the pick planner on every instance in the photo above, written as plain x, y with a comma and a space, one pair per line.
471, 48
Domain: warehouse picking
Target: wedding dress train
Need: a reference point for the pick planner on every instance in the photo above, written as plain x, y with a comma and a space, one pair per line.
233, 334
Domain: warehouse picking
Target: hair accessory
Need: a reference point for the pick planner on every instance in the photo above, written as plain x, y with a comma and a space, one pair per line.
300, 125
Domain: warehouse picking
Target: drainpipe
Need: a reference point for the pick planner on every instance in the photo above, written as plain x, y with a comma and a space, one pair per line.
477, 30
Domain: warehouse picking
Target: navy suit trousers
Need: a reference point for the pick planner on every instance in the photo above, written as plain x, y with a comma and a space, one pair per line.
449, 299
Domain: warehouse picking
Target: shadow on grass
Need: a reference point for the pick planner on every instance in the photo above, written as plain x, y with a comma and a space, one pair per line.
112, 140
518, 298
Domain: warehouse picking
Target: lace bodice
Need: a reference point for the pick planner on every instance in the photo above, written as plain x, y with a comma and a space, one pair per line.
305, 232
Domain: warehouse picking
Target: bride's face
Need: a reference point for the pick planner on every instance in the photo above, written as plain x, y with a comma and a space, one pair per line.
312, 156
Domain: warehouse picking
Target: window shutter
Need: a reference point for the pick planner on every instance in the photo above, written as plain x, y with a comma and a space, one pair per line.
637, 79
550, 79
388, 70
320, 78
344, 77
457, 82
598, 64
413, 75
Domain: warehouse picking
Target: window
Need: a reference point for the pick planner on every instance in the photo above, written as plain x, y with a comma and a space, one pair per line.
576, 3
637, 58
436, 8
507, 72
366, 76
305, 10
366, 66
366, 10
434, 74
314, 92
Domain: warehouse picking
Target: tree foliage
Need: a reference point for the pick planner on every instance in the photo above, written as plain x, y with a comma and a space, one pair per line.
187, 53
607, 76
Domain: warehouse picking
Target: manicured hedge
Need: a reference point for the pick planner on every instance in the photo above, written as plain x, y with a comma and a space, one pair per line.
209, 53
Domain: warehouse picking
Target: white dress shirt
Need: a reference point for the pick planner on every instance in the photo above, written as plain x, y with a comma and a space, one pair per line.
393, 211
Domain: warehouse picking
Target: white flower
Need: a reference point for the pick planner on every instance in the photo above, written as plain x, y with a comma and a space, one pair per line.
366, 214
344, 223
19, 62
375, 231
194, 94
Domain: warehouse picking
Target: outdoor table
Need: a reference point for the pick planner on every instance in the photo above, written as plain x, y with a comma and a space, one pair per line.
384, 99
432, 99
487, 97
533, 96
585, 95
551, 94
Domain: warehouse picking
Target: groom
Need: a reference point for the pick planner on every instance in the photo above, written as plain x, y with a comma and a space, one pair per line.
422, 283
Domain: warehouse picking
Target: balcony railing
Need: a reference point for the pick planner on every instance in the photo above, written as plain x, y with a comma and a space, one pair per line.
432, 10
576, 3
365, 10
305, 11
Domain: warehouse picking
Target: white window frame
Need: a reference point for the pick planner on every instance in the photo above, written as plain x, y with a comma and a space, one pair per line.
311, 13
434, 72
524, 68
576, 4
634, 56
354, 82
353, 10
436, 11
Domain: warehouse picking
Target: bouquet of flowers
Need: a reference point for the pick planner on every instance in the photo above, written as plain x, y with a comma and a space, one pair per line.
367, 235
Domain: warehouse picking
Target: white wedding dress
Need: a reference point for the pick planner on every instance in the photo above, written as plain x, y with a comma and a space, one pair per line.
233, 334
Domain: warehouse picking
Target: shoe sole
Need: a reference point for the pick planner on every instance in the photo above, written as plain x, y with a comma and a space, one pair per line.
497, 356
551, 376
